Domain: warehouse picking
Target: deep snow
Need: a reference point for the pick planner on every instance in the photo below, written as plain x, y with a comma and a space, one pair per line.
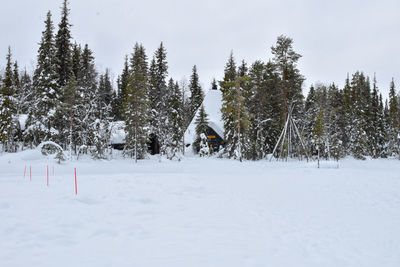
199, 212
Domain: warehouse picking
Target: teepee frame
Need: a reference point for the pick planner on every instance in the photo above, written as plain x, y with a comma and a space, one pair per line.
288, 135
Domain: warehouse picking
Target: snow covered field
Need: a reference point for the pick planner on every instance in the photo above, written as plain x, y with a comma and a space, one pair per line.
199, 212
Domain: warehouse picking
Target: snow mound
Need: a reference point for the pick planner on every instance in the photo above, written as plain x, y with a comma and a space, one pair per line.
117, 132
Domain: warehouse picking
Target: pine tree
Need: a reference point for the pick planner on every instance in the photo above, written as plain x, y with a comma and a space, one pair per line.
77, 63
319, 132
382, 130
158, 93
394, 121
311, 114
87, 88
64, 48
201, 127
104, 97
262, 105
136, 106
118, 111
197, 95
336, 119
285, 59
228, 88
214, 85
175, 120
69, 110
358, 133
234, 114
376, 134
17, 102
8, 129
25, 96
46, 93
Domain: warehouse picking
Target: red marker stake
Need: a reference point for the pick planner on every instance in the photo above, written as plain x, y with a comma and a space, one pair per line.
47, 175
24, 171
30, 173
76, 186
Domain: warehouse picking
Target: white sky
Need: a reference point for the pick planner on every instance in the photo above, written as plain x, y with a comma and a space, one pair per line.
334, 37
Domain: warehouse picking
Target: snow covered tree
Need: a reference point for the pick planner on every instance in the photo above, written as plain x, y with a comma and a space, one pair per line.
204, 148
8, 126
263, 107
175, 120
197, 95
102, 116
234, 114
87, 89
285, 59
77, 63
136, 106
201, 127
64, 48
394, 121
358, 133
105, 91
311, 112
67, 114
377, 134
122, 83
24, 93
40, 123
319, 132
158, 73
336, 118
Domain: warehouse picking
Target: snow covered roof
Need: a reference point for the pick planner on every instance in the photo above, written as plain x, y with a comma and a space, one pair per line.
117, 132
212, 105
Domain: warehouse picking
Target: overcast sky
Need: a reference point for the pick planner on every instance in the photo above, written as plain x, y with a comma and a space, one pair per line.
334, 37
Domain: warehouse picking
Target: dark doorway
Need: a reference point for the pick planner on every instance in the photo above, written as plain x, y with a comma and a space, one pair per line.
153, 145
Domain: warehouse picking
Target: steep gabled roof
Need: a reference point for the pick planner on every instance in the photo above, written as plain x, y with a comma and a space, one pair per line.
212, 105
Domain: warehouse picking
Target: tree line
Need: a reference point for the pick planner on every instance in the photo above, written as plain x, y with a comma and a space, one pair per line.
68, 102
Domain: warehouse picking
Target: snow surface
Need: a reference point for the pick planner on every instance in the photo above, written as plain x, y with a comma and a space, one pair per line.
199, 212
22, 118
212, 104
117, 132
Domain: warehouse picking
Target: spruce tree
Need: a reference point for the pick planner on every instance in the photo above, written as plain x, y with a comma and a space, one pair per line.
87, 86
201, 123
175, 120
136, 106
77, 63
311, 114
158, 94
8, 125
394, 121
70, 98
319, 132
214, 85
63, 47
26, 93
197, 95
46, 93
263, 107
118, 111
234, 114
336, 119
